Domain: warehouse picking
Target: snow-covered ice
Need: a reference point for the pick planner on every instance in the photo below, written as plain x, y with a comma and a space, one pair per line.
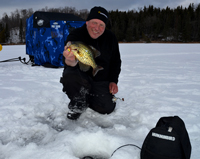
156, 80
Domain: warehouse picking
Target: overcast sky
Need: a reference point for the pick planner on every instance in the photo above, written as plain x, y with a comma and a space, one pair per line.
8, 6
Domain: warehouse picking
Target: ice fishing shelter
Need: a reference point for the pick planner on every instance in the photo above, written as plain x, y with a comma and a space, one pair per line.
46, 33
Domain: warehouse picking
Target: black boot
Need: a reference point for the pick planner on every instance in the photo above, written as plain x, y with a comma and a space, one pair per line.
78, 104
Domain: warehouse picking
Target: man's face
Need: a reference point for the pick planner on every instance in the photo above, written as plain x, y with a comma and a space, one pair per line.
95, 28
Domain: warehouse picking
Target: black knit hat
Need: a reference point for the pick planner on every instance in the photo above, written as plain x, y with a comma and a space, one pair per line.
98, 13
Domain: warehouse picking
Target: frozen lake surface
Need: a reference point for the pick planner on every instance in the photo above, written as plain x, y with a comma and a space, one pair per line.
156, 80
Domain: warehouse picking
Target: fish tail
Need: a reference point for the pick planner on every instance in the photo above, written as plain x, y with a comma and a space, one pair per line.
95, 70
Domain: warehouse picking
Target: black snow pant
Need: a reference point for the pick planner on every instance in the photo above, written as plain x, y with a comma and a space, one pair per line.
84, 92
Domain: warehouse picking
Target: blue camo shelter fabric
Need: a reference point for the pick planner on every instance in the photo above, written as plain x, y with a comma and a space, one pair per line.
46, 43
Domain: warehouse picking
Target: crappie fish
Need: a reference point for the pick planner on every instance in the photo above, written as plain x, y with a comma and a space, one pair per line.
85, 55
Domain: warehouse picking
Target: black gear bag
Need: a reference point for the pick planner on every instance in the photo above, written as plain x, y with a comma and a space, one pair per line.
168, 140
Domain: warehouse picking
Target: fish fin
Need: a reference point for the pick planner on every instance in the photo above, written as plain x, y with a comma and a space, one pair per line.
95, 52
98, 68
68, 43
83, 67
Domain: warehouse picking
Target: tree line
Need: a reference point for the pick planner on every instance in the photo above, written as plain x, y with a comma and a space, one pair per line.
155, 24
147, 24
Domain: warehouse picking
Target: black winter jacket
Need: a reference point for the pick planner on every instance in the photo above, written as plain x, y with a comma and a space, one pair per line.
109, 59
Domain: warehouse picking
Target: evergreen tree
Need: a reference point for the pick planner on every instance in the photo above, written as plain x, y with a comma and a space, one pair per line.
21, 31
2, 34
7, 33
129, 32
177, 23
197, 31
187, 28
